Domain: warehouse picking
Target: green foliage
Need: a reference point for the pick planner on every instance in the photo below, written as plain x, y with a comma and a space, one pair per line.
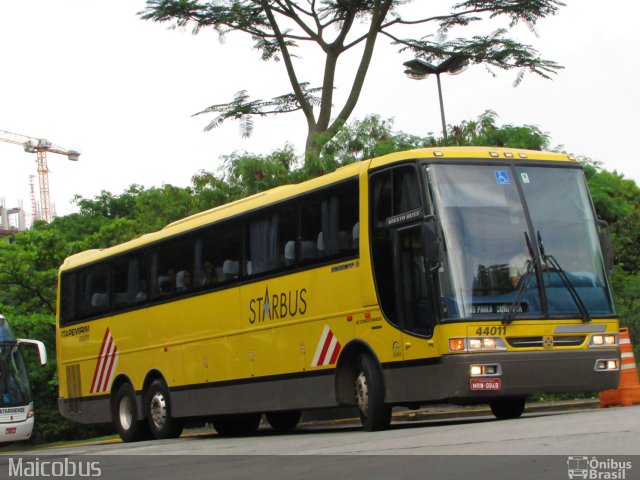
617, 200
28, 268
612, 194
247, 174
485, 131
367, 138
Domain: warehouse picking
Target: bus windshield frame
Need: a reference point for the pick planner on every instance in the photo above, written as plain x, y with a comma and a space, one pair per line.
503, 225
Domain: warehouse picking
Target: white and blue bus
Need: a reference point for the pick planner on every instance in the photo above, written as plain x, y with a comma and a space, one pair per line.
16, 401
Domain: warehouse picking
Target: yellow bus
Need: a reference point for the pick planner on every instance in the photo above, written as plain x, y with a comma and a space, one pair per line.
464, 275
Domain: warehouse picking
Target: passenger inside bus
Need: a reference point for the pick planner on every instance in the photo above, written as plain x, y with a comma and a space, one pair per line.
141, 296
183, 281
208, 274
167, 283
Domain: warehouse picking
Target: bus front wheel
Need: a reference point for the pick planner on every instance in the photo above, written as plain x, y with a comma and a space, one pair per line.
158, 411
369, 390
506, 408
125, 415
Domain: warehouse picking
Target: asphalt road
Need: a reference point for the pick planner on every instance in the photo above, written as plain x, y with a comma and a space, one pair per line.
538, 445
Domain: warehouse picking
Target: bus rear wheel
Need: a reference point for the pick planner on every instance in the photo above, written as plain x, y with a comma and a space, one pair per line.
125, 415
506, 408
283, 421
369, 390
237, 425
158, 409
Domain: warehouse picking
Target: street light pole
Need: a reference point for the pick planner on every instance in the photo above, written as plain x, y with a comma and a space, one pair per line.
419, 69
444, 123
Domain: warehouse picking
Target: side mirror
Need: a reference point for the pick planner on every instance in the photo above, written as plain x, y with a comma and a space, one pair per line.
431, 239
41, 348
606, 244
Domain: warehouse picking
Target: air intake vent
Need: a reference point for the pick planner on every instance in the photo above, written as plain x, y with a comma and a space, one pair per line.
74, 387
538, 342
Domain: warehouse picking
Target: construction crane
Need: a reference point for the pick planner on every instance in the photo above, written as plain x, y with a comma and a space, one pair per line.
40, 147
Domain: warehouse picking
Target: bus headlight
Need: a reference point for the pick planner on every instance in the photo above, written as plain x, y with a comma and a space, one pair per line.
604, 340
475, 344
485, 370
486, 343
31, 413
607, 365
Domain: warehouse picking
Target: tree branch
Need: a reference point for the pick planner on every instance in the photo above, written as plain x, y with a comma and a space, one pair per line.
293, 79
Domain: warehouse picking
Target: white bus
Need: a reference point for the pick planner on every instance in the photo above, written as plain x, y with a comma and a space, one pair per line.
16, 401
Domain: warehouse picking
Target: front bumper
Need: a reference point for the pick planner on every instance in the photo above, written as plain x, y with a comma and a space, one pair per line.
522, 373
16, 431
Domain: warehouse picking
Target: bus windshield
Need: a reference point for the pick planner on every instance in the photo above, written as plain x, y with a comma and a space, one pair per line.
483, 212
14, 384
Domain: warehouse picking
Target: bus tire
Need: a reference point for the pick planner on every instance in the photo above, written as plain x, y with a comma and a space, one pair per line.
125, 415
369, 390
506, 408
283, 421
158, 410
237, 425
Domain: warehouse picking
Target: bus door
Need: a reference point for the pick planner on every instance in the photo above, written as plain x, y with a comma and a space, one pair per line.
403, 280
413, 290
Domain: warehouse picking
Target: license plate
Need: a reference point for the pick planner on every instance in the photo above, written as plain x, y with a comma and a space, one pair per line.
485, 384
10, 431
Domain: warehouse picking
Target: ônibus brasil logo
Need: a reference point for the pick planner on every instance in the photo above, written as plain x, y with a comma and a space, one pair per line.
596, 469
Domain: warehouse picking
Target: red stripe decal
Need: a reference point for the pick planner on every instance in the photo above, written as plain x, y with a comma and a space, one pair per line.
103, 363
111, 362
325, 347
336, 351
95, 373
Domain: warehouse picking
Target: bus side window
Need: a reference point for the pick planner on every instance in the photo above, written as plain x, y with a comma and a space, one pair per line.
129, 281
69, 311
328, 219
96, 290
167, 259
268, 233
219, 254
406, 190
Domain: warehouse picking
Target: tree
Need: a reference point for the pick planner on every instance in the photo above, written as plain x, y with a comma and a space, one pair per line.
338, 26
485, 131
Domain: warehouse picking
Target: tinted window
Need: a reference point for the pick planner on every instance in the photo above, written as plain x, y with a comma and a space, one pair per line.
269, 234
70, 292
172, 267
304, 231
329, 221
218, 254
130, 281
96, 290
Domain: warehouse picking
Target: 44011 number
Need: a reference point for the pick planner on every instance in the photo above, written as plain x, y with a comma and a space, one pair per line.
491, 331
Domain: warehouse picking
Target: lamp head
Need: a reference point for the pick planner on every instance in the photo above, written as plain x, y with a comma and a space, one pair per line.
415, 74
454, 65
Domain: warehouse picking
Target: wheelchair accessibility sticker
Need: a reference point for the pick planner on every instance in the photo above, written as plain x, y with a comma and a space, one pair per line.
502, 177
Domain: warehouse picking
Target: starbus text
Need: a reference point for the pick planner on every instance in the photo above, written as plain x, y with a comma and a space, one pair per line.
278, 305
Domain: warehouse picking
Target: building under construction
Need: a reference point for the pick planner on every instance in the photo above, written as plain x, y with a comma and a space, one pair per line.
12, 220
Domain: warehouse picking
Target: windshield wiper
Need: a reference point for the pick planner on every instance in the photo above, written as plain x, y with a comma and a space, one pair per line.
510, 315
552, 263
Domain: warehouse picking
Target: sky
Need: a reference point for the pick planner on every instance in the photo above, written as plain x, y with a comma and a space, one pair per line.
92, 76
